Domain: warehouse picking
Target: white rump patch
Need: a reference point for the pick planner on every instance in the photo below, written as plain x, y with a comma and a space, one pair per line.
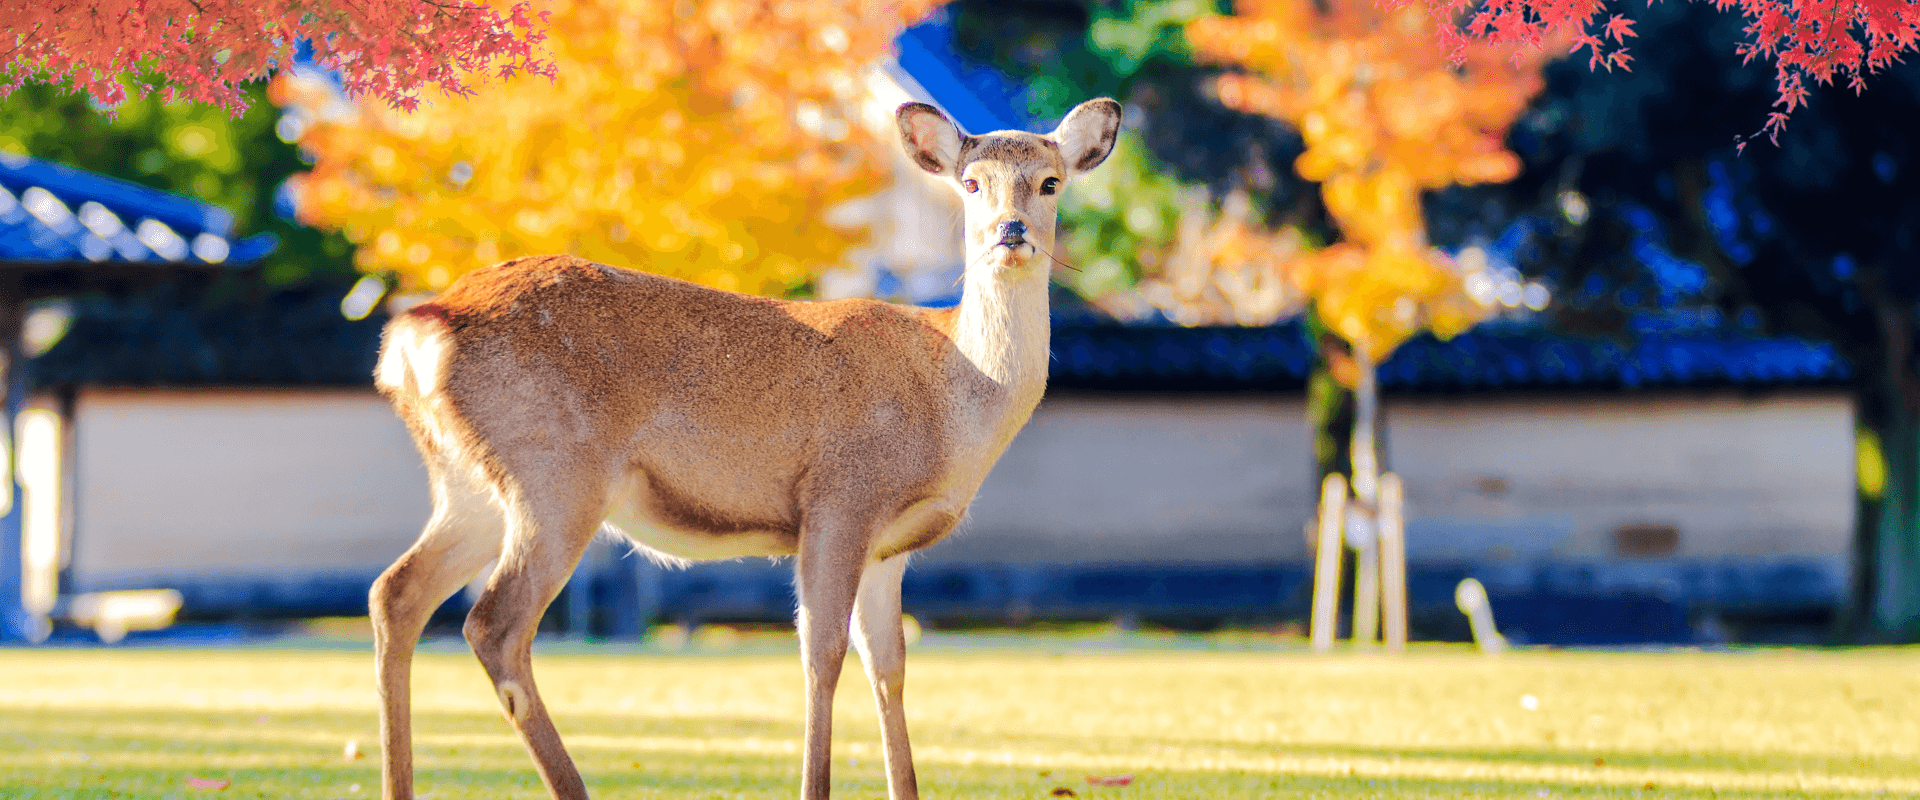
413, 359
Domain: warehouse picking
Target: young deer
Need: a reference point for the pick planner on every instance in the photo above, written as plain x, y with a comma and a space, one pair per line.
550, 396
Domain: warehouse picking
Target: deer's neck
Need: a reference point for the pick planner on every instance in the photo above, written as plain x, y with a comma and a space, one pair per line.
1001, 326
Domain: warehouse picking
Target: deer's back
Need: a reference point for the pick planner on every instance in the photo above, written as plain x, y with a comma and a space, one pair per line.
710, 412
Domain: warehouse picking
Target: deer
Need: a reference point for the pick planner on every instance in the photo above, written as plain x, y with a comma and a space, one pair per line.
551, 397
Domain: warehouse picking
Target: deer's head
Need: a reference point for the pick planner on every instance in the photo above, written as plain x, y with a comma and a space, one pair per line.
1009, 181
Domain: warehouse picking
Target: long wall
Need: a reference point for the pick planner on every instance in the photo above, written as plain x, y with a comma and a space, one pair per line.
284, 492
1613, 478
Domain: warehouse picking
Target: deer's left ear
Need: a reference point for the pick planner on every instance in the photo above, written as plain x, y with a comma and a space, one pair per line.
1087, 135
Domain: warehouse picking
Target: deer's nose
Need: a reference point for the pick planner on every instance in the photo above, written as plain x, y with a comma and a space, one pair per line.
1013, 231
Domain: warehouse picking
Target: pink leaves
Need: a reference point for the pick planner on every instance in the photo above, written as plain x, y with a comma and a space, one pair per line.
208, 784
391, 49
1619, 28
1817, 39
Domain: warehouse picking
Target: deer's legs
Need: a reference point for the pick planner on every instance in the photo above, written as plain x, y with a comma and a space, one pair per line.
461, 537
832, 557
545, 539
883, 648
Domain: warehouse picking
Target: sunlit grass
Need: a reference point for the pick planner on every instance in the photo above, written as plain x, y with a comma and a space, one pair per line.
1000, 722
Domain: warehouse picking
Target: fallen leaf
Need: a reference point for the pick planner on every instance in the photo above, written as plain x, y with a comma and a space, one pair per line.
1599, 761
1109, 780
1062, 791
214, 784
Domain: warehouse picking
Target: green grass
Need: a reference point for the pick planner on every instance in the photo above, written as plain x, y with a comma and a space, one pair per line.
1009, 721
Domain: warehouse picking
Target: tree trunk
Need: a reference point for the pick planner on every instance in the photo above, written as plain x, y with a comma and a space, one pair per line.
1883, 602
1330, 415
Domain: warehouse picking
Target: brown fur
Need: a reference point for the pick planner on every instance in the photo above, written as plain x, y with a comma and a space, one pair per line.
550, 394
620, 350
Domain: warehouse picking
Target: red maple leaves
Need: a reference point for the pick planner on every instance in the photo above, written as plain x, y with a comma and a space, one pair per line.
1821, 40
203, 51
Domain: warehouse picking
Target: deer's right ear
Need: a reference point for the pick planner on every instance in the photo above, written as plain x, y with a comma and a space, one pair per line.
931, 139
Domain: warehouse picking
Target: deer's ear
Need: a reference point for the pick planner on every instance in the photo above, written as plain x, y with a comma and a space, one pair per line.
1087, 135
931, 139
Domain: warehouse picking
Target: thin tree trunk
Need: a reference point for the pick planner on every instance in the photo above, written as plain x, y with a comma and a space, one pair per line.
1883, 598
1883, 602
1330, 415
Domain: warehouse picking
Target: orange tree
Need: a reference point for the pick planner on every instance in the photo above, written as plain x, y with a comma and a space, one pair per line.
700, 140
1385, 117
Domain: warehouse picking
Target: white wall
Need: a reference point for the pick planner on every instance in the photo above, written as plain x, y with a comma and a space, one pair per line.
1492, 479
1227, 479
1193, 478
232, 481
309, 482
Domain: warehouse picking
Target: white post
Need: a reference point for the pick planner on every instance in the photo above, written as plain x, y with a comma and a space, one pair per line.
1471, 597
1393, 561
1326, 563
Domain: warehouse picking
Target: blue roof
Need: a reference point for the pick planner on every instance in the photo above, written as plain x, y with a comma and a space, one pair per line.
51, 213
978, 98
1490, 358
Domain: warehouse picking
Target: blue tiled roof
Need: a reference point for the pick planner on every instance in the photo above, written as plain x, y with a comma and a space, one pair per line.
980, 99
52, 213
1487, 359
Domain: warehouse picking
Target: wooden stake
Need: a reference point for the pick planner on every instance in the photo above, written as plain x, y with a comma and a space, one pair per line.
1326, 565
1366, 587
1393, 561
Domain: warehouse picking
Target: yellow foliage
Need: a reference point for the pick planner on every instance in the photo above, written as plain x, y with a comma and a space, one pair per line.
1385, 116
1224, 268
700, 140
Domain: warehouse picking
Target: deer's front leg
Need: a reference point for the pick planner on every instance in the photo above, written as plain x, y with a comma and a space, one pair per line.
883, 648
833, 552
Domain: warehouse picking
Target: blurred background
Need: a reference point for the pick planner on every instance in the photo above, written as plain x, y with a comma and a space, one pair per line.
1644, 382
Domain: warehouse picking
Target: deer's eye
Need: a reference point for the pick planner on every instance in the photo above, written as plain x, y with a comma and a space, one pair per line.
1050, 185
971, 185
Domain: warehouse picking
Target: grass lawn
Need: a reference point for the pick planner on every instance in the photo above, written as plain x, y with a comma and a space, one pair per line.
1017, 720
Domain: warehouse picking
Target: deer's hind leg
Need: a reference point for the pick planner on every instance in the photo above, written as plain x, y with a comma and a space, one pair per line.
551, 517
463, 534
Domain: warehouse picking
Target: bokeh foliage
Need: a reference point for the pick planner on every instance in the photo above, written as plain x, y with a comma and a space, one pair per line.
702, 141
1386, 117
1161, 229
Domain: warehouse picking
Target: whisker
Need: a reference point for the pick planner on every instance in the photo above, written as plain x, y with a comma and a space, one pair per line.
1055, 260
989, 251
969, 265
